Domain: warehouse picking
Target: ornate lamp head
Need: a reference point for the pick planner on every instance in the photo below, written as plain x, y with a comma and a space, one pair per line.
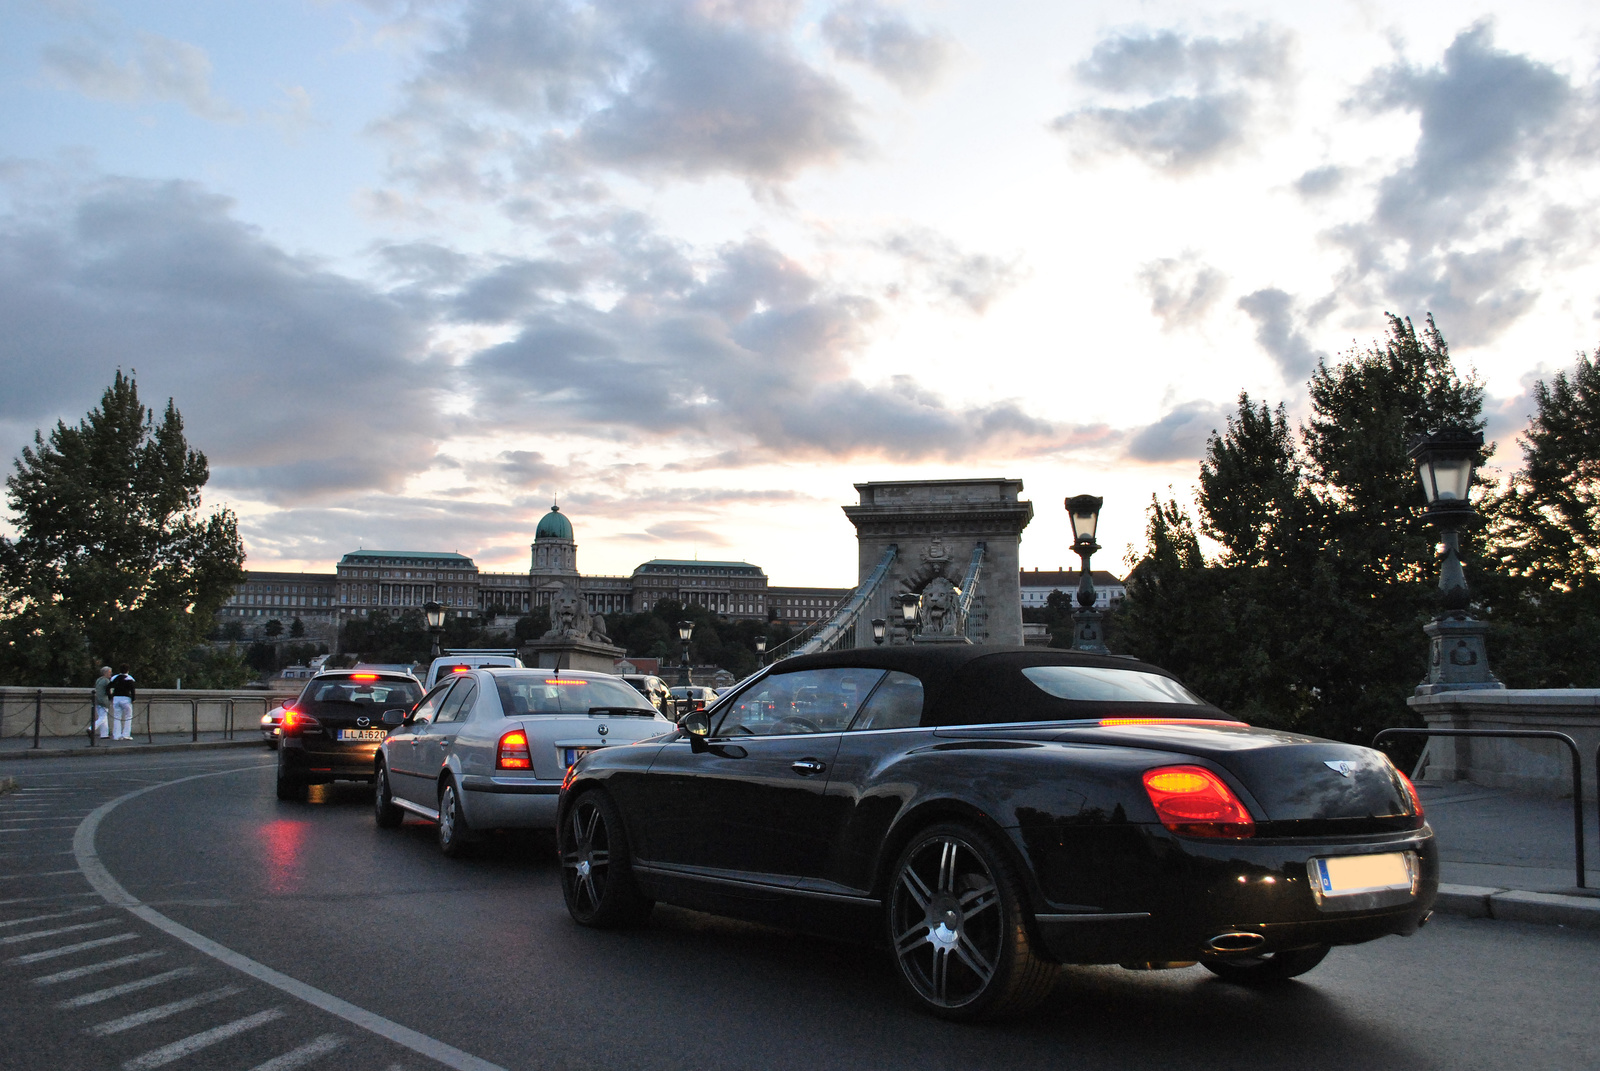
1084, 511
433, 613
1446, 460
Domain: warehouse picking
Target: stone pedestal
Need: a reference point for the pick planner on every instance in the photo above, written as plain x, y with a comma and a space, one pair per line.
571, 654
1457, 658
936, 524
1538, 766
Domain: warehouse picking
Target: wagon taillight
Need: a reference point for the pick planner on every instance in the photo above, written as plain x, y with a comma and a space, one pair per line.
513, 753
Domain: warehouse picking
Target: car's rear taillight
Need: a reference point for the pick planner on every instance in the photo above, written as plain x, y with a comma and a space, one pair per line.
294, 721
1195, 802
513, 753
1411, 790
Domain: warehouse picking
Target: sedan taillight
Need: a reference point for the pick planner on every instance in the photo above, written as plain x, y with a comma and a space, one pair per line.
1195, 802
513, 753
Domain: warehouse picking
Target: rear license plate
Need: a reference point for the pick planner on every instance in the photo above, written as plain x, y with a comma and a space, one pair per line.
571, 755
1351, 875
362, 734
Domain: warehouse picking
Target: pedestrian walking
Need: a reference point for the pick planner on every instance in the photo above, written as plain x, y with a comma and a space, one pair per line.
102, 702
122, 704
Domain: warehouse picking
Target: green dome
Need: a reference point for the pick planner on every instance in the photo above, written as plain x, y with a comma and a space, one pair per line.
554, 526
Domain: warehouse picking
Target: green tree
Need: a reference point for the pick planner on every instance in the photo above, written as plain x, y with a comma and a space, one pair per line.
297, 629
273, 629
113, 560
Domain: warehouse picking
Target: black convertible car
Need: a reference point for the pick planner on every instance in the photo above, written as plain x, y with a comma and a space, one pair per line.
993, 813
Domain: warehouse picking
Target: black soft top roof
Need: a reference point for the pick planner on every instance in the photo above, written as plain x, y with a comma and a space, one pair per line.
965, 684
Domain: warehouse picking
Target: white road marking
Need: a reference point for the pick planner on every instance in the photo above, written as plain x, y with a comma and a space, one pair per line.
31, 829
162, 1011
134, 986
55, 915
95, 968
195, 1042
55, 953
18, 938
38, 873
107, 886
299, 1057
36, 899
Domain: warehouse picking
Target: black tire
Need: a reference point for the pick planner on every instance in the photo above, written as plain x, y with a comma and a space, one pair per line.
958, 928
597, 867
388, 815
454, 835
1272, 968
290, 788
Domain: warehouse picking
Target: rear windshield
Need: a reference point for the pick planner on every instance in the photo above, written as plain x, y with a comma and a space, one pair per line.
333, 695
549, 692
1097, 684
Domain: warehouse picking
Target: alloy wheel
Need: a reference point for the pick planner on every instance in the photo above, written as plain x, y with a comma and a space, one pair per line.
947, 921
588, 855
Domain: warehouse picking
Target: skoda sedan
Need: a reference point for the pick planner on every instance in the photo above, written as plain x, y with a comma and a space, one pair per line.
488, 748
993, 813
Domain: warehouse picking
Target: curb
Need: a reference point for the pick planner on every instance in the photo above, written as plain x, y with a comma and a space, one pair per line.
139, 749
1517, 905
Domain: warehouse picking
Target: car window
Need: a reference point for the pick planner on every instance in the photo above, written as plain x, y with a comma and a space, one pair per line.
548, 692
364, 692
1099, 684
810, 701
428, 709
459, 705
896, 704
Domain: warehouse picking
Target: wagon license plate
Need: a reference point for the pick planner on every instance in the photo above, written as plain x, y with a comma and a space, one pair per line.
572, 754
362, 734
1350, 875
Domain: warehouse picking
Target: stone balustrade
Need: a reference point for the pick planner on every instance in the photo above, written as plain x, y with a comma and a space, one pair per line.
1537, 766
65, 712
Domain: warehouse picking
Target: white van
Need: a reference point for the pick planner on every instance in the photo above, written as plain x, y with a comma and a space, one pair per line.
462, 660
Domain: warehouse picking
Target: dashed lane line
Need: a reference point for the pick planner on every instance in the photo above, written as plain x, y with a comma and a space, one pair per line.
318, 1046
46, 918
110, 992
195, 1042
75, 973
108, 887
38, 873
18, 938
162, 1011
67, 950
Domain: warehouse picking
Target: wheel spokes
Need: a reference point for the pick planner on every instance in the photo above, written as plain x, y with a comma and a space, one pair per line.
941, 974
977, 901
947, 866
974, 959
909, 941
913, 883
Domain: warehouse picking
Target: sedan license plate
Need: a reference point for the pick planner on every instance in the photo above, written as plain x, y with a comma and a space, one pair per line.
362, 734
571, 755
1352, 875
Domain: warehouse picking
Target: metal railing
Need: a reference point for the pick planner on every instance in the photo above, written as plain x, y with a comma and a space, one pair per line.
969, 584
1524, 734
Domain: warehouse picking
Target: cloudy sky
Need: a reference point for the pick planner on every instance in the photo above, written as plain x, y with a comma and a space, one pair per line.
697, 266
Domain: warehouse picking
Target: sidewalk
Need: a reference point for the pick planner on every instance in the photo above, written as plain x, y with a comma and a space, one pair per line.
1506, 855
56, 747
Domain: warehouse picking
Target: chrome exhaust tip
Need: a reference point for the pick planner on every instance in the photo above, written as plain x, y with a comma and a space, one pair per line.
1227, 943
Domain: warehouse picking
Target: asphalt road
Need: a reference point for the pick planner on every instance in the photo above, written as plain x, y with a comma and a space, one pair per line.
477, 959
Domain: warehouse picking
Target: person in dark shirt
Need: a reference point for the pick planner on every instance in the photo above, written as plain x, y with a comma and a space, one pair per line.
122, 704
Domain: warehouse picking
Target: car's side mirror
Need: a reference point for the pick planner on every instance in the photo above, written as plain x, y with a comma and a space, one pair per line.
698, 726
392, 718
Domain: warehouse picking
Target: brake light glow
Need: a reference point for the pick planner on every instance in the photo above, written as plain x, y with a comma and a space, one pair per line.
572, 773
1411, 790
1173, 721
294, 720
1195, 802
459, 669
513, 753
363, 676
563, 680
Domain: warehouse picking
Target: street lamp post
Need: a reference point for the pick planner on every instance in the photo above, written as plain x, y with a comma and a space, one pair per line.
1084, 512
1458, 660
879, 627
910, 609
761, 650
433, 613
685, 634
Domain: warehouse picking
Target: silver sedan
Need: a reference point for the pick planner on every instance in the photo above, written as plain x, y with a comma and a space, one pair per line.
488, 749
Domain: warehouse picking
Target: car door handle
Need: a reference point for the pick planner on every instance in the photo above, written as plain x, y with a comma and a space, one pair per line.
807, 767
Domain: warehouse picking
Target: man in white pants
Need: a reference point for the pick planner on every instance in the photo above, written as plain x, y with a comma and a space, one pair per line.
102, 702
122, 705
